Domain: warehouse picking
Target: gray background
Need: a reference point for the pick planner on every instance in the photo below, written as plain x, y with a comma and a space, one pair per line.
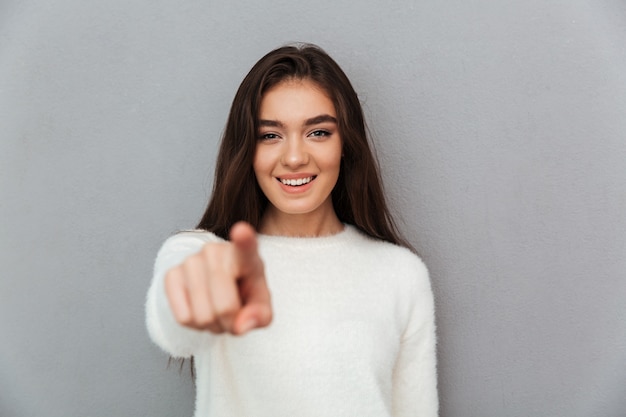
500, 126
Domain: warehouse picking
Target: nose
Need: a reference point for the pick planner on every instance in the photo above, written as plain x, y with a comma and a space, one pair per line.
295, 154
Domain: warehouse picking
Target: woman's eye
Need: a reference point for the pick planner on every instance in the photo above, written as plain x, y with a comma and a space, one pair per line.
320, 133
268, 136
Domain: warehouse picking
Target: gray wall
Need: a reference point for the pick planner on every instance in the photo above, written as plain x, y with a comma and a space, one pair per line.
499, 124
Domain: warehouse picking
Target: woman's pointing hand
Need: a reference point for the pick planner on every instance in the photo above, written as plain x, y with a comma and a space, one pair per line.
222, 288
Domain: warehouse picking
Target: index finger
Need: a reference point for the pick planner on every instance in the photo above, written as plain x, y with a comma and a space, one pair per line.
243, 236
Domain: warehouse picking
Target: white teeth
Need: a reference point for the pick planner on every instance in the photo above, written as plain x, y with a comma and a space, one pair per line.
299, 181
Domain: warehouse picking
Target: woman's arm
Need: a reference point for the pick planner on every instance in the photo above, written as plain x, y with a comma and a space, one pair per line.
415, 373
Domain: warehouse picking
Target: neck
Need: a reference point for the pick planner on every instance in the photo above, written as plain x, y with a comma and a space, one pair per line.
278, 223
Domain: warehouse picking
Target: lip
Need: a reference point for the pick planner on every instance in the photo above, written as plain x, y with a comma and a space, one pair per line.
296, 176
298, 189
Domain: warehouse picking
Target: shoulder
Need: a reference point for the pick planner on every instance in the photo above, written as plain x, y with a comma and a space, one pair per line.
188, 239
400, 258
181, 245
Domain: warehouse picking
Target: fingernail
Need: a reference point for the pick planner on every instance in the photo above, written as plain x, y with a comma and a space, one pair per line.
248, 325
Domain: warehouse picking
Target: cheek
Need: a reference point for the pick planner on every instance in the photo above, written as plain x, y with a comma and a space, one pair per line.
333, 161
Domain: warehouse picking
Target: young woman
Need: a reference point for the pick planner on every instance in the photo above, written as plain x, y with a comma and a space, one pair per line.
297, 211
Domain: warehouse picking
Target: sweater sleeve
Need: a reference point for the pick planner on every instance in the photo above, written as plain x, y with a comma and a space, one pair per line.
415, 373
164, 330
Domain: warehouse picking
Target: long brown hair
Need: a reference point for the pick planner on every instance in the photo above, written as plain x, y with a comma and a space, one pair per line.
357, 198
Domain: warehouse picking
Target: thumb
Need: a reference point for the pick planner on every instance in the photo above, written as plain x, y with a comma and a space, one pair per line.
256, 310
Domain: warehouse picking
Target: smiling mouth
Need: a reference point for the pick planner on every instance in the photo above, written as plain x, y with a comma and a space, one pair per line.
296, 182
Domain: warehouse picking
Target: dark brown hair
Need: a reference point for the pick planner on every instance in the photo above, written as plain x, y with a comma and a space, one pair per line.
358, 197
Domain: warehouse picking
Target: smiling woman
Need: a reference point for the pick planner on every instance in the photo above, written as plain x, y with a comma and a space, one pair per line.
297, 211
297, 159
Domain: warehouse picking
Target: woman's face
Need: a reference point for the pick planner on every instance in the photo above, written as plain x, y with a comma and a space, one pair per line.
298, 151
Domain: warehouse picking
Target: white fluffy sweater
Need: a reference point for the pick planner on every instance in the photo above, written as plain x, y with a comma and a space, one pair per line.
353, 332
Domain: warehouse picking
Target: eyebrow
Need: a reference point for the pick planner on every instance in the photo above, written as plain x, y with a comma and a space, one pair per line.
322, 118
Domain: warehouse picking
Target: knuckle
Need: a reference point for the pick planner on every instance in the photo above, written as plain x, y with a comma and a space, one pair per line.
172, 276
192, 262
210, 247
211, 251
213, 269
184, 318
207, 250
229, 308
205, 320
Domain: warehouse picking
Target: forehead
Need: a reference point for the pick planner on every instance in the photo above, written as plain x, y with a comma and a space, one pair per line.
296, 97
